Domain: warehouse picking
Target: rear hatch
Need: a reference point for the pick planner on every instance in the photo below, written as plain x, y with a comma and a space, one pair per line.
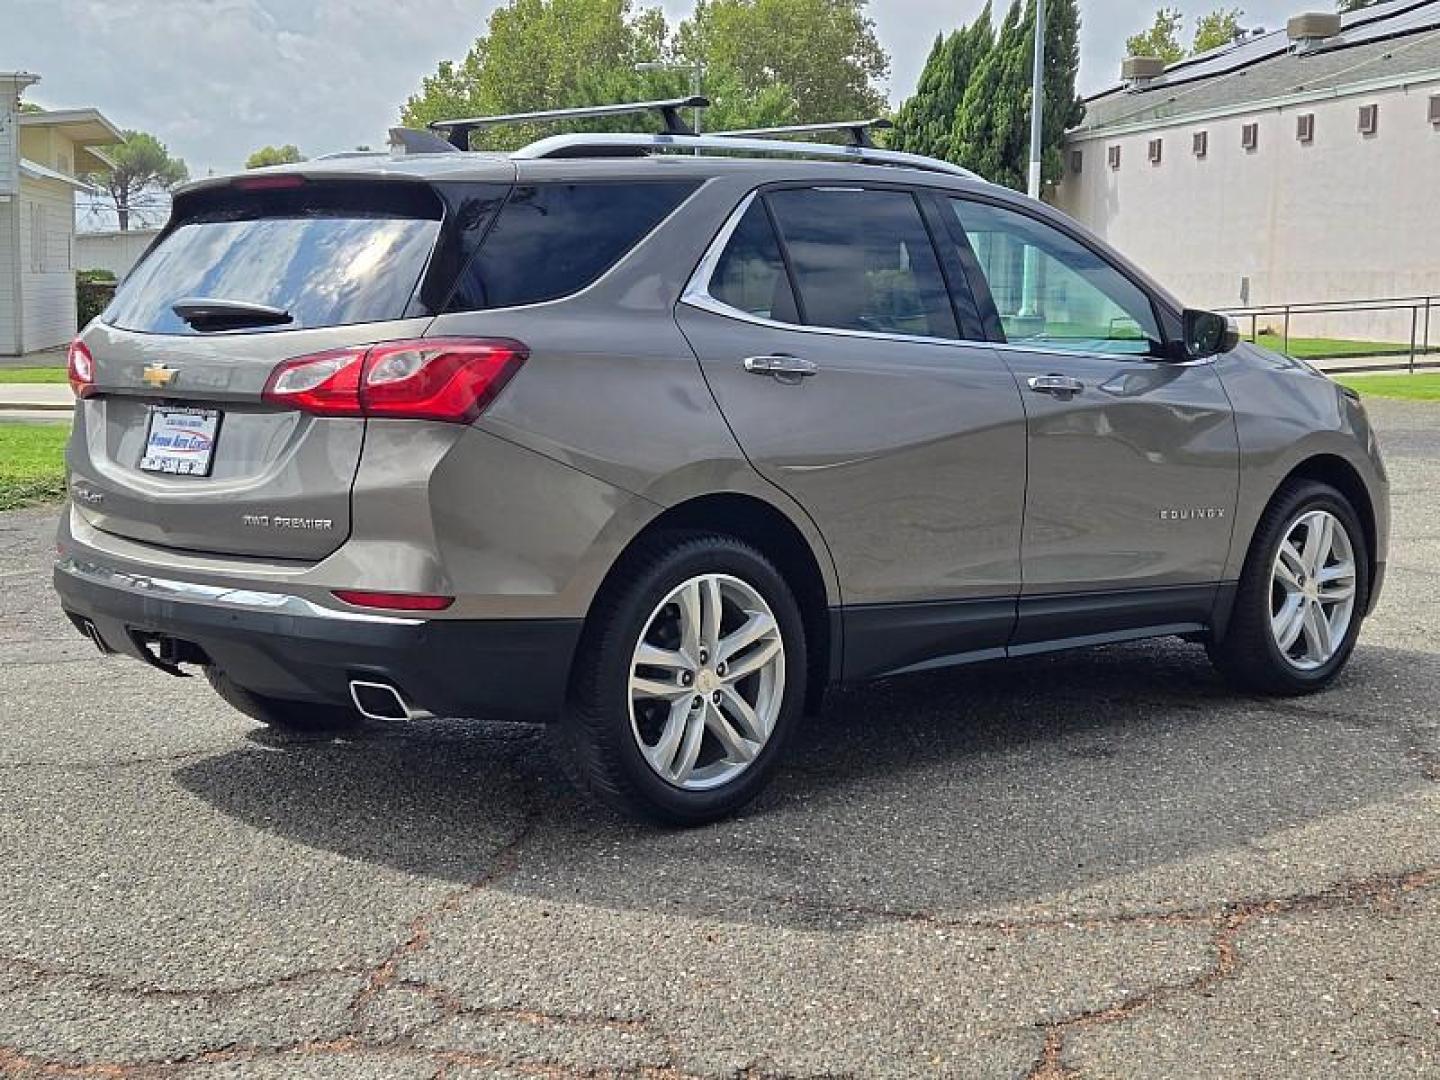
175, 445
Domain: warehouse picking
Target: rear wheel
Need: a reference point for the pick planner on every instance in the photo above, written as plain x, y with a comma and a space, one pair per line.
1301, 596
689, 679
280, 713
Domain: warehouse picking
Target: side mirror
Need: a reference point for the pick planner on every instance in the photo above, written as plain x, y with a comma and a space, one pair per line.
1209, 334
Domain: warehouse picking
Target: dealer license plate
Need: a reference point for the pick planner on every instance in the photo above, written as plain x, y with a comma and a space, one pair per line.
180, 441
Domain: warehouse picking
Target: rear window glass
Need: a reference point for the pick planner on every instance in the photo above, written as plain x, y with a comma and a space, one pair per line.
552, 240
329, 254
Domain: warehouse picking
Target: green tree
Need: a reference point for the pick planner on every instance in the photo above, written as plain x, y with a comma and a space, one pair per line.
542, 54
926, 121
1217, 29
274, 155
143, 167
824, 51
1161, 40
765, 62
992, 125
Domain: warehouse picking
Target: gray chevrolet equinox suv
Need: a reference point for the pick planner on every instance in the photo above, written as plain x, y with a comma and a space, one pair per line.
654, 446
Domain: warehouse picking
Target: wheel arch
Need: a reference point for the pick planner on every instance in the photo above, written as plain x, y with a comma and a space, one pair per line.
1334, 471
771, 531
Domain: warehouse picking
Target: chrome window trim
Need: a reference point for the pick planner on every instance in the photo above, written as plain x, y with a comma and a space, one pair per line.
216, 595
697, 295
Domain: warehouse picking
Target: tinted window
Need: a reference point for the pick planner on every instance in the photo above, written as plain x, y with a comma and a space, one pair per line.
552, 240
863, 260
750, 275
1053, 291
329, 255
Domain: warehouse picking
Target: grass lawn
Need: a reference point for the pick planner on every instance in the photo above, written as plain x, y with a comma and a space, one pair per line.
1405, 387
32, 463
33, 375
1333, 348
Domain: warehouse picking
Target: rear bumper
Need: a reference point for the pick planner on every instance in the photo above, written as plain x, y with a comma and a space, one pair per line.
287, 647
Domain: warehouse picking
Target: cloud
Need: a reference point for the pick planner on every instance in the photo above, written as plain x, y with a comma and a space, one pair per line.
216, 79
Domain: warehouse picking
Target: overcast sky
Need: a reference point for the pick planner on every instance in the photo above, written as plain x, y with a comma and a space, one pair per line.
215, 79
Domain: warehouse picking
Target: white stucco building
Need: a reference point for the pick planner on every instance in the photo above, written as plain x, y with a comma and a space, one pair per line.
42, 157
1288, 168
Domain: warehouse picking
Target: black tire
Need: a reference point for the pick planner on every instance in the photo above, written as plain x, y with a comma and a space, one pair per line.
300, 717
1248, 655
594, 740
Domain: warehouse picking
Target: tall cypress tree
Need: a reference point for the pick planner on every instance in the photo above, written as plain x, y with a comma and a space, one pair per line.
926, 120
992, 125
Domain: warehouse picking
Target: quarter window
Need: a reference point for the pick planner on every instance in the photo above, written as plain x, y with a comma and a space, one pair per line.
552, 240
862, 259
1052, 291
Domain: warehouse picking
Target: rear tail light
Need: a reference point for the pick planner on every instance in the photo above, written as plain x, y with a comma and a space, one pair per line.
449, 379
81, 367
394, 601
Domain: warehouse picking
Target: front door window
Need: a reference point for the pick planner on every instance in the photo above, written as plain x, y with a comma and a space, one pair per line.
1053, 292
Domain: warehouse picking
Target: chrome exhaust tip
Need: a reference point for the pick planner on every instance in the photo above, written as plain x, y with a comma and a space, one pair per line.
381, 701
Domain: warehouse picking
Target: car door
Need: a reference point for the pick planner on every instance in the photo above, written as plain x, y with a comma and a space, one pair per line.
1133, 453
825, 330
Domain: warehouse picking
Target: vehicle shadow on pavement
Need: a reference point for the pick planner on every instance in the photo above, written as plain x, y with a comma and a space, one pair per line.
963, 790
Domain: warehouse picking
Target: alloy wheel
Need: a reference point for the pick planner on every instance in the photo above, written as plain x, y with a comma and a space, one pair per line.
707, 681
1312, 590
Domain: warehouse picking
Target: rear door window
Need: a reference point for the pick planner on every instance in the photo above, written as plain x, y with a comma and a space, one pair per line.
863, 260
330, 254
750, 275
552, 240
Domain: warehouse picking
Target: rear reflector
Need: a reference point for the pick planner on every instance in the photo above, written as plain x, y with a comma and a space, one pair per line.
394, 601
81, 367
447, 379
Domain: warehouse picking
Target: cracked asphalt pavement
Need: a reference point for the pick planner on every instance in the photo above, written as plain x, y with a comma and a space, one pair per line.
1101, 864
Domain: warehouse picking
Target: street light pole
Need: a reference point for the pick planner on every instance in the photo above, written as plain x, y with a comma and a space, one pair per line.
1030, 282
1037, 100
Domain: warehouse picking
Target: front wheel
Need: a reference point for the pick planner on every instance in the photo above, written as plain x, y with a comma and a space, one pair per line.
1301, 597
689, 678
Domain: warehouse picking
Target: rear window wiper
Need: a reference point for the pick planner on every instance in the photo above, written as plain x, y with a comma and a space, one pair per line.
209, 313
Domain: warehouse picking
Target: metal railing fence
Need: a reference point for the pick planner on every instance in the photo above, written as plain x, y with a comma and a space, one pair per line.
1420, 311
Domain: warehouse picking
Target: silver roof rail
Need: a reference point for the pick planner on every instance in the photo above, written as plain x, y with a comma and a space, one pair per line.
458, 131
639, 145
857, 130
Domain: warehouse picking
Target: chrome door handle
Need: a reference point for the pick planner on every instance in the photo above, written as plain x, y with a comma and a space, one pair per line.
781, 367
1059, 385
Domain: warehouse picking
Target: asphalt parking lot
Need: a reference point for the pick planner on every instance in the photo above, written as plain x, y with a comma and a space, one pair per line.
1093, 865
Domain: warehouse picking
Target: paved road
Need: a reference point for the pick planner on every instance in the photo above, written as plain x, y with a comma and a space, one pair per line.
1093, 865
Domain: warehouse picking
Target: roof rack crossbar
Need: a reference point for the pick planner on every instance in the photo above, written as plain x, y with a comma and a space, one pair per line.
858, 131
458, 131
609, 145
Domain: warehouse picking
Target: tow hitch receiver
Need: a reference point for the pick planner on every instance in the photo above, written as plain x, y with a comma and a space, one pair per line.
167, 653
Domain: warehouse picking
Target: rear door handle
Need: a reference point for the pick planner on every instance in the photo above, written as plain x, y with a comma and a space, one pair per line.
1059, 385
780, 367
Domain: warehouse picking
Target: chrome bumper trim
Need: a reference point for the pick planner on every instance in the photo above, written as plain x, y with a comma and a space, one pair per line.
218, 595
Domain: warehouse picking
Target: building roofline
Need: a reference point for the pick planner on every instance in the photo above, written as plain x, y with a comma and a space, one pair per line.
70, 118
36, 171
1353, 20
1273, 104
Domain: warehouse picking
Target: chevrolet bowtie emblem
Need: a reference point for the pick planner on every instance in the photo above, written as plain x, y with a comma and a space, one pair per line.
158, 375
